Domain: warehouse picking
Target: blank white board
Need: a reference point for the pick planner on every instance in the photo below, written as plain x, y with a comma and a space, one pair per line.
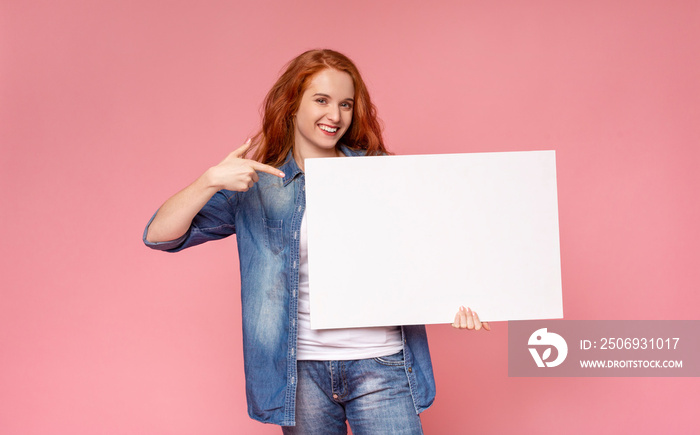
400, 240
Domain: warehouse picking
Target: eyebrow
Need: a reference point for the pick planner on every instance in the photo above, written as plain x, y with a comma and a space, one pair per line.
328, 96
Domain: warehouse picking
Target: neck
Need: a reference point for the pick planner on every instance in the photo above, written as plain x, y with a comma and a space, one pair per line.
300, 156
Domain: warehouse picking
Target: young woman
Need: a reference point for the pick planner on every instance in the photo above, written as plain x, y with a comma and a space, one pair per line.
308, 381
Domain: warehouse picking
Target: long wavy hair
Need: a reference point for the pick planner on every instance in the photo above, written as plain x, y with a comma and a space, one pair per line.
276, 136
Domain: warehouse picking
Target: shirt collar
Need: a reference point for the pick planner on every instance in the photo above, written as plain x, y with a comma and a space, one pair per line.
291, 169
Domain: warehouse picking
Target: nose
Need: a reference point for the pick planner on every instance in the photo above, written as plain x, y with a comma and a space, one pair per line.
333, 113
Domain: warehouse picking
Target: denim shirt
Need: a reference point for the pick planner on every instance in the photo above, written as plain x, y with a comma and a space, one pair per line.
267, 221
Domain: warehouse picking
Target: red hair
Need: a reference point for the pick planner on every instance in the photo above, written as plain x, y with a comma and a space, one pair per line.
276, 136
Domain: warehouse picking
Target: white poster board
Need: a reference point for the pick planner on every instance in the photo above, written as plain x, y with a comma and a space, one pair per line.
399, 240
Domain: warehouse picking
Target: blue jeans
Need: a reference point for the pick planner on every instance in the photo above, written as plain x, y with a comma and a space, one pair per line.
371, 394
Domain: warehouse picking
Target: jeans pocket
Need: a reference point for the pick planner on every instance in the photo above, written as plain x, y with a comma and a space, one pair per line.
391, 360
273, 229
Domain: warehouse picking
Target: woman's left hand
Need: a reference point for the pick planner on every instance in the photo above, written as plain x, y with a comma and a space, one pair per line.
468, 319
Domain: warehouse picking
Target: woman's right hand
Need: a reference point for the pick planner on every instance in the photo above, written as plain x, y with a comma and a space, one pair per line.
174, 217
237, 173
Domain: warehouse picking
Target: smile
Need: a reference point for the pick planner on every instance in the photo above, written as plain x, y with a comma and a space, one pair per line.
327, 128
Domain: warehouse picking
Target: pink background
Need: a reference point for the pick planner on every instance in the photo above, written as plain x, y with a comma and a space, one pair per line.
107, 108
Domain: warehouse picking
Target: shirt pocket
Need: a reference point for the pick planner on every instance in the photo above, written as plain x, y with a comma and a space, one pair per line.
273, 231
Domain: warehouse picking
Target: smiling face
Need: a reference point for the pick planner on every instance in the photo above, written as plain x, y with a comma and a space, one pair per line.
324, 115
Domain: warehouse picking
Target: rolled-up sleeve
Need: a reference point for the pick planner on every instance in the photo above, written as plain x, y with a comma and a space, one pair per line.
214, 221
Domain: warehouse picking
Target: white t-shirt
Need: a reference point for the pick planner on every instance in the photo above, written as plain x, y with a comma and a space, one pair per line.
337, 344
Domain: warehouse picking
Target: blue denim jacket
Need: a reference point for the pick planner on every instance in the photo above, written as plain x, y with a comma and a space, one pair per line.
266, 220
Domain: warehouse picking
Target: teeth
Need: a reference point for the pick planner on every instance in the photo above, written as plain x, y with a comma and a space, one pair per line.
328, 129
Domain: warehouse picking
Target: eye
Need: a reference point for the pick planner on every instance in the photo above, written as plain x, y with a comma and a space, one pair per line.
346, 105
321, 100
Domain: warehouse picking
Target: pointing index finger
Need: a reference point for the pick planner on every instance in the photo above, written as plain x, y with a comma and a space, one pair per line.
266, 168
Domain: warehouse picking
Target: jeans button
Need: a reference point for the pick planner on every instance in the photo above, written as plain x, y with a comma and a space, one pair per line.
335, 396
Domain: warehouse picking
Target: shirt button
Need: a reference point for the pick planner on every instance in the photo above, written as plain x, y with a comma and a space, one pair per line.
335, 396
299, 209
295, 235
410, 370
295, 264
292, 379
